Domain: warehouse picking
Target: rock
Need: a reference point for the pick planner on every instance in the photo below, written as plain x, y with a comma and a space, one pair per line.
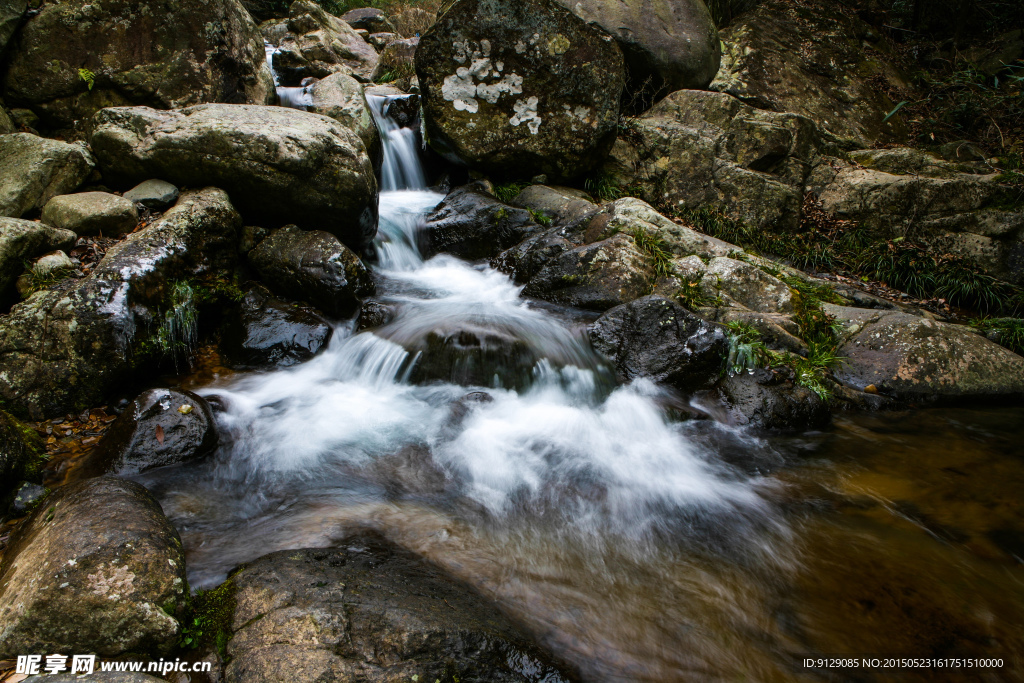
701, 149
27, 496
630, 215
320, 44
396, 61
811, 59
655, 338
34, 169
669, 45
52, 264
279, 165
375, 612
153, 194
560, 204
763, 400
313, 266
267, 331
369, 18
95, 568
266, 11
22, 241
11, 12
915, 358
21, 453
160, 427
472, 224
373, 314
747, 285
341, 97
402, 108
92, 213
472, 355
379, 41
7, 124
64, 348
994, 55
106, 677
412, 21
160, 53
516, 88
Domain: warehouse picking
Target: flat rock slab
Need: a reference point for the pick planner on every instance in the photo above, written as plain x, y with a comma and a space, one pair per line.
153, 194
92, 213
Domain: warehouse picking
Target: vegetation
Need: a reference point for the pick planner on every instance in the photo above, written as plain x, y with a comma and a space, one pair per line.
397, 72
208, 623
655, 249
1008, 332
88, 77
724, 11
506, 192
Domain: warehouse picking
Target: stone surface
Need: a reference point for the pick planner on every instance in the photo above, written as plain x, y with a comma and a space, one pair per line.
34, 169
472, 224
396, 61
915, 358
160, 53
22, 241
669, 45
517, 88
95, 568
26, 497
341, 97
64, 348
765, 401
312, 266
159, 427
561, 205
266, 331
655, 338
320, 44
371, 611
279, 165
368, 18
153, 194
11, 13
812, 58
92, 213
21, 453
747, 285
381, 40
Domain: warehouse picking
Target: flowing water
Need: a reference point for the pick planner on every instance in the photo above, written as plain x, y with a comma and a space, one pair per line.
636, 546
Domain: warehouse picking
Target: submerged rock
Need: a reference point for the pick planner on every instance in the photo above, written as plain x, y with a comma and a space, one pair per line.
655, 338
76, 57
519, 87
279, 165
160, 427
313, 266
95, 568
22, 241
153, 194
374, 612
92, 213
267, 331
472, 224
33, 170
320, 44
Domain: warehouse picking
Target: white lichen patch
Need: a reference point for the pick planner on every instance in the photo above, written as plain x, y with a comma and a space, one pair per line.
580, 115
118, 583
526, 112
480, 80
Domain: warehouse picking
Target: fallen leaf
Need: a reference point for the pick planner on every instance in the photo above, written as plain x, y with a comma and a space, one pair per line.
160, 433
871, 389
185, 409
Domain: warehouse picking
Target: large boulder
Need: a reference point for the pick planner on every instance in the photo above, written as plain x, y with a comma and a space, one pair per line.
320, 44
92, 213
560, 205
22, 241
472, 224
160, 427
313, 266
279, 165
374, 612
655, 338
21, 453
815, 59
341, 97
64, 348
74, 58
34, 169
267, 331
669, 45
95, 568
916, 358
518, 88
11, 12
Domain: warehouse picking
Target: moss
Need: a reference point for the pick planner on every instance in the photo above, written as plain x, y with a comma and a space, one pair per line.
506, 192
540, 217
209, 618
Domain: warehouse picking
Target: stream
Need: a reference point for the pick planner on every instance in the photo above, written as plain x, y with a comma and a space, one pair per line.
636, 546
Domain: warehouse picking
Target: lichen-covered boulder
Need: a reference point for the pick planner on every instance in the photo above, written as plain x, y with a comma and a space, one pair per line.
267, 331
472, 224
92, 213
64, 348
22, 241
74, 58
279, 165
374, 612
95, 568
518, 88
669, 45
341, 97
655, 338
313, 266
320, 44
746, 284
814, 59
34, 169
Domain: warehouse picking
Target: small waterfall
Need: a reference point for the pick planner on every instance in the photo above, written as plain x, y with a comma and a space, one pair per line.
292, 97
401, 169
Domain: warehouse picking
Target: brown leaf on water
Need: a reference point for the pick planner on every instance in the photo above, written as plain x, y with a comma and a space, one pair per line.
160, 434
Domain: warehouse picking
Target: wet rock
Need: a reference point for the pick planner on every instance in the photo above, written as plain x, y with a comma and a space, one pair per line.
267, 331
160, 427
153, 194
22, 241
21, 453
811, 60
373, 314
95, 568
916, 358
279, 165
470, 355
764, 400
472, 224
396, 60
27, 496
516, 88
341, 97
655, 338
159, 53
669, 45
320, 44
313, 266
92, 213
369, 18
33, 170
403, 108
64, 348
696, 149
747, 285
560, 204
372, 611
11, 12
